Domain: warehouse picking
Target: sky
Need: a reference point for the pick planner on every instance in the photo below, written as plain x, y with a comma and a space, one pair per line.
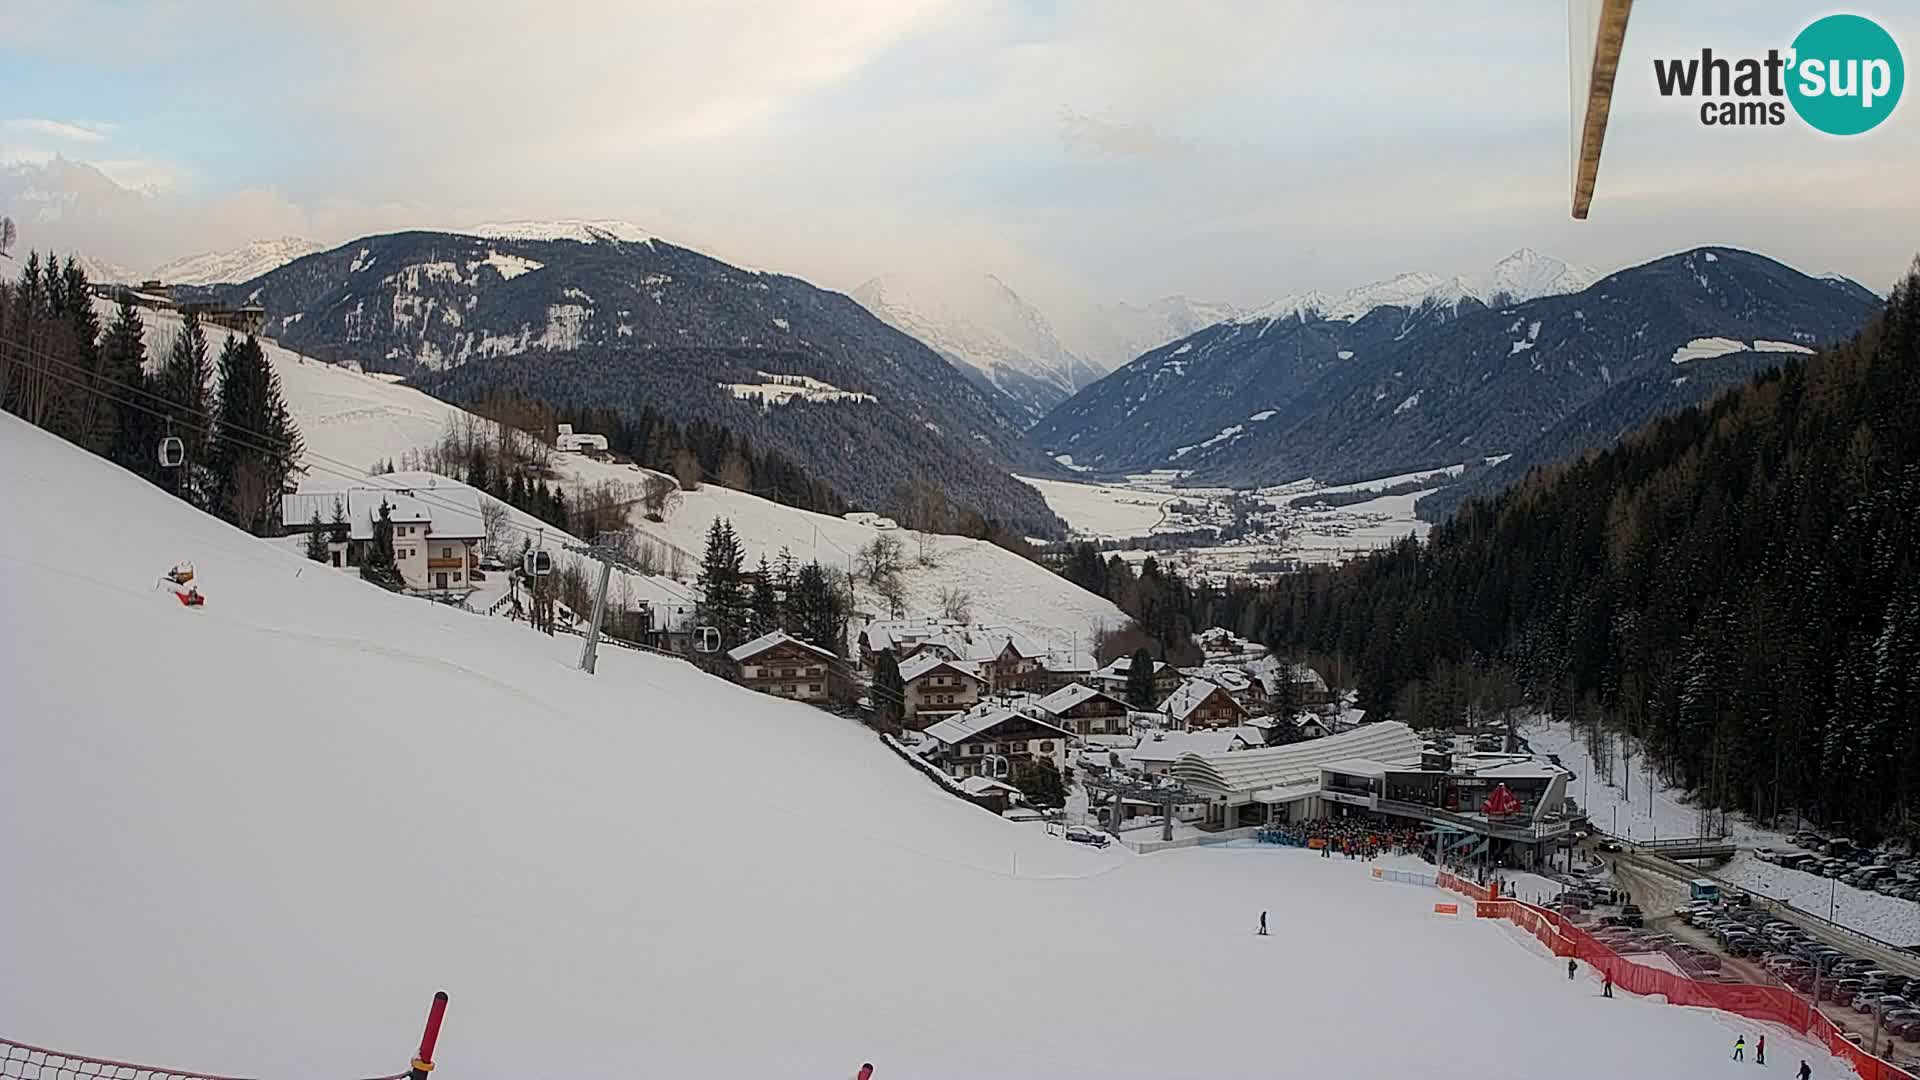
1105, 150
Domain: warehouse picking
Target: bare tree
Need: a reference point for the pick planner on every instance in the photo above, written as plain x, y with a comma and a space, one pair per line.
880, 559
957, 605
7, 235
893, 592
928, 546
659, 496
495, 522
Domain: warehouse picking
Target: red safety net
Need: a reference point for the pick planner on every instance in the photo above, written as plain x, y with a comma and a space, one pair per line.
18, 1061
1771, 1004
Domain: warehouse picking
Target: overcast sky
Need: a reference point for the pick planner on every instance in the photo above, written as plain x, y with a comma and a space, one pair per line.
1110, 149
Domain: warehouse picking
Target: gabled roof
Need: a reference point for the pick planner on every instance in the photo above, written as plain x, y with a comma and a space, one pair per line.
449, 509
1071, 695
1190, 696
1122, 667
925, 663
980, 720
1168, 746
740, 654
981, 785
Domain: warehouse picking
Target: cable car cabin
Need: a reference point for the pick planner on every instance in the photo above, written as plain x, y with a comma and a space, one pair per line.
172, 452
1702, 889
538, 563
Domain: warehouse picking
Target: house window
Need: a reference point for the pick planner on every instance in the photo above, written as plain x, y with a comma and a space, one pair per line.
1046, 748
813, 688
456, 575
446, 553
973, 749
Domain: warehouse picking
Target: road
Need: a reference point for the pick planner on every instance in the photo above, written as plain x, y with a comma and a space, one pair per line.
1659, 892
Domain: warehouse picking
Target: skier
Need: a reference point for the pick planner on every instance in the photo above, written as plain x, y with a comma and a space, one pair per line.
1571, 965
1263, 924
865, 1073
1606, 988
1760, 1051
1740, 1048
1805, 1072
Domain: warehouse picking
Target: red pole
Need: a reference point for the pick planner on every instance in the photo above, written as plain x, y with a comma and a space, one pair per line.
423, 1062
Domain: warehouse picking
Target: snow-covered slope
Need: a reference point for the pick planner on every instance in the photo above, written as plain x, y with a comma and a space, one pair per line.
1110, 335
980, 324
290, 815
241, 264
585, 232
351, 420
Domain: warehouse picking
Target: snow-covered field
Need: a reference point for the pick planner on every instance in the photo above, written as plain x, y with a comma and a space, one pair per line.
1106, 511
1890, 919
351, 420
289, 816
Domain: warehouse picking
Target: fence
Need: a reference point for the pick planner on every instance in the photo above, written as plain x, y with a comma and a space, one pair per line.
20, 1061
1405, 877
1146, 847
1768, 1004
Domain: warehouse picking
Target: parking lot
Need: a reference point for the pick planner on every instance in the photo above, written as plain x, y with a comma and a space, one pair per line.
1731, 941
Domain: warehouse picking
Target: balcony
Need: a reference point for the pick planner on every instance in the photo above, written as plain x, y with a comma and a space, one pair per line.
457, 562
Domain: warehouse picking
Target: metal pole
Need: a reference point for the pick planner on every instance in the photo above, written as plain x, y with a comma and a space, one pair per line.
599, 612
423, 1061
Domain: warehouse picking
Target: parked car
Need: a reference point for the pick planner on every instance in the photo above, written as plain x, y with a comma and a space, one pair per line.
1081, 834
1902, 1022
1838, 993
1888, 1003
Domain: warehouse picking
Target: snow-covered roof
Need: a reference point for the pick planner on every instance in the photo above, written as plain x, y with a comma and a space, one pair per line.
1071, 695
1284, 793
1190, 696
1112, 742
981, 785
1357, 767
1521, 770
448, 508
979, 720
1069, 661
925, 663
1250, 770
1121, 668
742, 653
1169, 746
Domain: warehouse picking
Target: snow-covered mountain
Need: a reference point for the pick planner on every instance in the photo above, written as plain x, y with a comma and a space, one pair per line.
1435, 370
605, 230
1524, 275
230, 267
983, 327
1110, 335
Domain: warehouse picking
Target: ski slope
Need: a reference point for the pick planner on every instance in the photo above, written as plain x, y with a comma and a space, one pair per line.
251, 839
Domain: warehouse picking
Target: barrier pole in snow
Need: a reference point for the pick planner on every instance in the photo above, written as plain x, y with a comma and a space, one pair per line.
423, 1061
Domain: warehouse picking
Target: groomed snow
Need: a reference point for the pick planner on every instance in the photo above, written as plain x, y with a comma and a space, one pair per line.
291, 815
1102, 510
1707, 348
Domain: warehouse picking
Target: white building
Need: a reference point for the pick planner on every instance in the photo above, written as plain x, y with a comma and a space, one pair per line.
568, 441
436, 529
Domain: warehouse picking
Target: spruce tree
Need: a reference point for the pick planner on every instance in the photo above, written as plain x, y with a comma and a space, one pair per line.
1140, 693
1039, 780
889, 691
255, 442
817, 610
317, 540
764, 605
186, 383
339, 531
378, 566
723, 598
123, 361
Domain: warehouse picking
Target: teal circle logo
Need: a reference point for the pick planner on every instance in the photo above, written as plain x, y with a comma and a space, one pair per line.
1847, 74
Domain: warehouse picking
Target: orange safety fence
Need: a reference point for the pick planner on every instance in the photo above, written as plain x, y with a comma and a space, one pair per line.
1769, 1004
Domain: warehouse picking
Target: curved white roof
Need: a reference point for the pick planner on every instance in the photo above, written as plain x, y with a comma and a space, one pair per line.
1246, 771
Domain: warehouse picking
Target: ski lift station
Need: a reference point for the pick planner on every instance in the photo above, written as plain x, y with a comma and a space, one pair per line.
1496, 804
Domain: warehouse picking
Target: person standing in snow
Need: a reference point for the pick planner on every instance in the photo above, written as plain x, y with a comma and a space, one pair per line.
1740, 1048
1805, 1072
1571, 966
1606, 988
1263, 924
1760, 1051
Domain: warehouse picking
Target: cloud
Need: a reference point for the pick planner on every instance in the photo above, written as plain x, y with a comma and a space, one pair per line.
1112, 138
77, 131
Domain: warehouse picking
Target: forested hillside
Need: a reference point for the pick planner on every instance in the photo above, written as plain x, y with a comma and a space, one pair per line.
1737, 584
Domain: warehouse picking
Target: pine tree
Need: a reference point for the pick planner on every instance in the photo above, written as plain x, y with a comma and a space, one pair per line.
889, 691
1140, 693
339, 530
764, 605
817, 610
317, 540
1039, 780
185, 382
255, 442
723, 598
378, 565
123, 361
